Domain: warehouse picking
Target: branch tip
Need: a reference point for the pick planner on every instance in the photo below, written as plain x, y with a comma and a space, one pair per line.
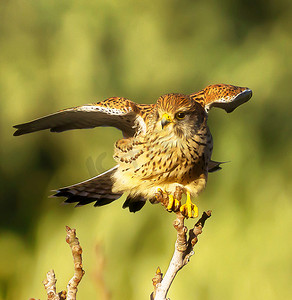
76, 249
156, 280
50, 281
206, 215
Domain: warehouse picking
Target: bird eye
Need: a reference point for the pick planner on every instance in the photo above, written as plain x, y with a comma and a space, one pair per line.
180, 115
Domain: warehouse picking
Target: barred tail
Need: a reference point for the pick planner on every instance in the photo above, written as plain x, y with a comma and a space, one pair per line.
97, 189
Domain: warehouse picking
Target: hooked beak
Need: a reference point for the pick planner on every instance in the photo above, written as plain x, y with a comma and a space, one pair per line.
166, 119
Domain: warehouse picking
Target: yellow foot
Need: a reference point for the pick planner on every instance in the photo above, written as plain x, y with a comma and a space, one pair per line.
173, 204
168, 200
189, 209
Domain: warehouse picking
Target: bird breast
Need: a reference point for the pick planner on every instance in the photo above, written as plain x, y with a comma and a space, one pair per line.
157, 159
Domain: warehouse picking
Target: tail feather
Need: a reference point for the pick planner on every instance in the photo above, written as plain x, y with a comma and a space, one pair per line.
97, 189
214, 166
134, 203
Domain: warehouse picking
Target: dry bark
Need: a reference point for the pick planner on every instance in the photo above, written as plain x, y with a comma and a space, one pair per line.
184, 246
50, 281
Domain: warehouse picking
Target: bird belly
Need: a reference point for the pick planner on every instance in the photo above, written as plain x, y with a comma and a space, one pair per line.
144, 167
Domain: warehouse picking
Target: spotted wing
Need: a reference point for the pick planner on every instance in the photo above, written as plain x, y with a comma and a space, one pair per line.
224, 96
117, 112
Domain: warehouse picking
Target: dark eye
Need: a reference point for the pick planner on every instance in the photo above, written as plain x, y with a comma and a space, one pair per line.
180, 115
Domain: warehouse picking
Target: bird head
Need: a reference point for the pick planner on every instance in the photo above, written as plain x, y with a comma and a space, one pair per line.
179, 114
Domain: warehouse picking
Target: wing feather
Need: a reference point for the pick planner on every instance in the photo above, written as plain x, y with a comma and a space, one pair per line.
116, 112
227, 97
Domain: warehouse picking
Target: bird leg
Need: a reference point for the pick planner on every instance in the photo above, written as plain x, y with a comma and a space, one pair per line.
189, 209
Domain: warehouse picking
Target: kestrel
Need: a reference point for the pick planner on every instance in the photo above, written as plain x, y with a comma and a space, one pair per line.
165, 151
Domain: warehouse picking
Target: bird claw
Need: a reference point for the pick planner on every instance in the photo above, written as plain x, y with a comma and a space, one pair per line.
173, 203
189, 209
161, 196
168, 200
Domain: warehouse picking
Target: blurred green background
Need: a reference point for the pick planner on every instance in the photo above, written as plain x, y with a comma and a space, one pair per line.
58, 54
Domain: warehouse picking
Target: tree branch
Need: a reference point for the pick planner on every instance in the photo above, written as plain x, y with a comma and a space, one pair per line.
183, 251
73, 242
50, 286
50, 281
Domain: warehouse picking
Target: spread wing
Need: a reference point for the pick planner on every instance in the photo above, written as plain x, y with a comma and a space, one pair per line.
117, 112
224, 96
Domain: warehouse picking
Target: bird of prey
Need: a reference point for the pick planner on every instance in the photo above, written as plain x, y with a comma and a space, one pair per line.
165, 151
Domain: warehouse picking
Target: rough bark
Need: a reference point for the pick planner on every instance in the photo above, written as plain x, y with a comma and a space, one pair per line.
184, 245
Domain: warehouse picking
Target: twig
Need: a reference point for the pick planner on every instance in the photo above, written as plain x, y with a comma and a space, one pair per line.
50, 286
156, 280
50, 281
182, 253
73, 242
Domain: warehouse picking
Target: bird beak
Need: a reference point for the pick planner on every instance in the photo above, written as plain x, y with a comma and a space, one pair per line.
166, 119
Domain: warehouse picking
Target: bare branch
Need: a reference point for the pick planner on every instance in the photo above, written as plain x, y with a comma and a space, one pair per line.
73, 242
182, 253
50, 286
156, 281
50, 281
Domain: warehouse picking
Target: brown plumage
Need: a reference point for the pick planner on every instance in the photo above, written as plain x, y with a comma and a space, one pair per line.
166, 149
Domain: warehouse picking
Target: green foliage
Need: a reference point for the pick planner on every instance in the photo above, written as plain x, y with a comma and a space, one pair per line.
57, 54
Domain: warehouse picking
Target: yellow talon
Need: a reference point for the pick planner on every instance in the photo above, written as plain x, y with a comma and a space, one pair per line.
196, 211
173, 203
176, 204
170, 202
189, 209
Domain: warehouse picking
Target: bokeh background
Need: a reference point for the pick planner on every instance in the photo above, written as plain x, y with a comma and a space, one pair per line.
58, 54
